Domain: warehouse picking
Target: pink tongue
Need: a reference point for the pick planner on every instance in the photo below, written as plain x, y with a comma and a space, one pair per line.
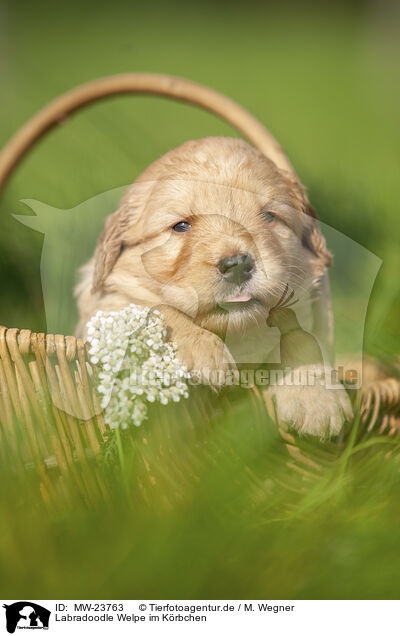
238, 299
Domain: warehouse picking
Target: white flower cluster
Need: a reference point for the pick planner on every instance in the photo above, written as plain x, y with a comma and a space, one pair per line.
136, 364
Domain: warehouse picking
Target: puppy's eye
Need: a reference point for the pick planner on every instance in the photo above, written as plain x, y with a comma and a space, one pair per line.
268, 216
182, 226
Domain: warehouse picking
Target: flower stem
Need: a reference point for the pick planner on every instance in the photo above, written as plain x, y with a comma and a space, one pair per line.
121, 455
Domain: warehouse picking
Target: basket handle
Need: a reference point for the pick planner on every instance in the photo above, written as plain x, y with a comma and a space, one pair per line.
174, 88
145, 84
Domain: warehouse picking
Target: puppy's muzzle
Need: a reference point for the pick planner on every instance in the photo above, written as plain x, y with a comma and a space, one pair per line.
236, 269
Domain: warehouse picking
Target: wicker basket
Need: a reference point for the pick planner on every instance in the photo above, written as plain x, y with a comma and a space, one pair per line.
49, 412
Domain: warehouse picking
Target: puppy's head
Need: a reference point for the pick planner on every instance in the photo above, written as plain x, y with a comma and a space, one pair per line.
214, 229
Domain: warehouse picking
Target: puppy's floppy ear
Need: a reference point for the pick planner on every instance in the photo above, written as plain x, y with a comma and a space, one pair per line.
111, 240
313, 238
109, 245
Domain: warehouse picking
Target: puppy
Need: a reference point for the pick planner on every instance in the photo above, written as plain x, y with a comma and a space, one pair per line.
212, 234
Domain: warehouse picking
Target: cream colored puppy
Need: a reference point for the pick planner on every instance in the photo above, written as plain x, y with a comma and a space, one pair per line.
212, 234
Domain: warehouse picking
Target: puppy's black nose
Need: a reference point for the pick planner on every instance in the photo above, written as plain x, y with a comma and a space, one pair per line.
236, 269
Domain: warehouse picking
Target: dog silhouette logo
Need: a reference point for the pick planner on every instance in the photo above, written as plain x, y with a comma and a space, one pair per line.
26, 615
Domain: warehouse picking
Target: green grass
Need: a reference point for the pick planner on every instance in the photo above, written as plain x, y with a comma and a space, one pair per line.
210, 507
227, 515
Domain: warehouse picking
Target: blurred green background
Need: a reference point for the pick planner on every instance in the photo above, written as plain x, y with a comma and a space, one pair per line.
323, 79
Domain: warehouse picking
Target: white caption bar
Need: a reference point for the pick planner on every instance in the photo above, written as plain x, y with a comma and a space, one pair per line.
186, 617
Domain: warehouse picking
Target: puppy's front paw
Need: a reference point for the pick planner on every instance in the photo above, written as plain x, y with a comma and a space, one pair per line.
313, 410
206, 356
